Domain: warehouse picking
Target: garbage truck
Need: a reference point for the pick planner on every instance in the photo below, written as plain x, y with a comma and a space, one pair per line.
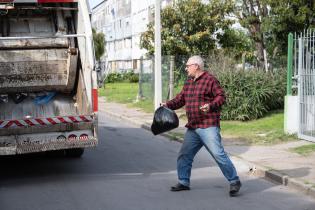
48, 84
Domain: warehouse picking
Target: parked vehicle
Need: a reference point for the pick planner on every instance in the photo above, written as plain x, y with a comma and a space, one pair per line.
48, 85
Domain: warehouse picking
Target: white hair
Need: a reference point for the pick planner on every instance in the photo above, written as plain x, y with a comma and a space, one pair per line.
196, 59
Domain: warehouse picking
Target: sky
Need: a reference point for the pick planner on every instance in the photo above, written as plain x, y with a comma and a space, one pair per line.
93, 3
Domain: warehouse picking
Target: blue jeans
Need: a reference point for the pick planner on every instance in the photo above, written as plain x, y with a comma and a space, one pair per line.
193, 141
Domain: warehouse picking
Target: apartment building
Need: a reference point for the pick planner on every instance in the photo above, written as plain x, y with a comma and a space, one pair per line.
122, 22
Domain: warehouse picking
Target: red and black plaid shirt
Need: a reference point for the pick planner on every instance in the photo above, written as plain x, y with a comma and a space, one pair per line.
205, 90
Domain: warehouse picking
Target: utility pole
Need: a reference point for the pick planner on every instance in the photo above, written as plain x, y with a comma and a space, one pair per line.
171, 86
157, 56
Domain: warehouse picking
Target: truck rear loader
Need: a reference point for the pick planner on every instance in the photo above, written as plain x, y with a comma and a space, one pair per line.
48, 85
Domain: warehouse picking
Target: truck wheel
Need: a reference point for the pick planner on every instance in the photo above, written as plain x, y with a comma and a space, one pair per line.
75, 153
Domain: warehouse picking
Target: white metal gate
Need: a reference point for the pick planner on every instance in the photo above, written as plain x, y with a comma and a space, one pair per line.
306, 84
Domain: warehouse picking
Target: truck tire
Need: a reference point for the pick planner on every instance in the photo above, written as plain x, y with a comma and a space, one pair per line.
74, 153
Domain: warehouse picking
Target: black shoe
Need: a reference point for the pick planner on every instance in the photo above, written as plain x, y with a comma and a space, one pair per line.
235, 187
179, 187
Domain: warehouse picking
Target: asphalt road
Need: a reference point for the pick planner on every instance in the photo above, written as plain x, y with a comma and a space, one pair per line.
131, 169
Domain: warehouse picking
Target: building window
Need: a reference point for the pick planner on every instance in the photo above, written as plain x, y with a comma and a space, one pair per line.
135, 64
128, 43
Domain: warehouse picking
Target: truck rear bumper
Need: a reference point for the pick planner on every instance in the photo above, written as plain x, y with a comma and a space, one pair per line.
40, 142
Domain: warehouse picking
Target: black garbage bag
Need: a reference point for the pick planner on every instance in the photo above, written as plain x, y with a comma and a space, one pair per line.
164, 120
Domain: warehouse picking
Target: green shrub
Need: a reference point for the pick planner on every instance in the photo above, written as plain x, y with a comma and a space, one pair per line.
129, 76
126, 75
251, 94
134, 78
114, 77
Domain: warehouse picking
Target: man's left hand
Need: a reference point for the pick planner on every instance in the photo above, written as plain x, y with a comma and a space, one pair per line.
205, 108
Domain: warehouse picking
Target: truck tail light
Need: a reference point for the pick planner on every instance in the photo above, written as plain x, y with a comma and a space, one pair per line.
56, 1
94, 91
95, 100
72, 137
84, 137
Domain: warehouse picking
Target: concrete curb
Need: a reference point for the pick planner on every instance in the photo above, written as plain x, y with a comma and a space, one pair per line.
253, 168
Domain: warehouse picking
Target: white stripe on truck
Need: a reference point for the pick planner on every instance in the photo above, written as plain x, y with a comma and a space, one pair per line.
44, 121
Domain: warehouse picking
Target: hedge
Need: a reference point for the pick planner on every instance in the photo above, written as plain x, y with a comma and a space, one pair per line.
252, 94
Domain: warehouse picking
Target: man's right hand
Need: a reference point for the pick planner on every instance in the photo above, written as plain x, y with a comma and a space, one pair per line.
163, 104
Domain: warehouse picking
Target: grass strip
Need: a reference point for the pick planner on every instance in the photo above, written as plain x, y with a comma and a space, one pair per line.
304, 150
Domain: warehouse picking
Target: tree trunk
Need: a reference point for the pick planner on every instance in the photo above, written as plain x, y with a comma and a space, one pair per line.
253, 11
259, 43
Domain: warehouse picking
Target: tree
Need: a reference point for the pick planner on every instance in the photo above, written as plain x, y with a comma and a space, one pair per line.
99, 44
285, 17
236, 42
189, 27
250, 14
269, 23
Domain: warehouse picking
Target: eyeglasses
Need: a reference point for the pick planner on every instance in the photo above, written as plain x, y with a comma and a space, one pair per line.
187, 65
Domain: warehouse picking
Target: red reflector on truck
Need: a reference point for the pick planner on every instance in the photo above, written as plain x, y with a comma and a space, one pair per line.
95, 100
56, 1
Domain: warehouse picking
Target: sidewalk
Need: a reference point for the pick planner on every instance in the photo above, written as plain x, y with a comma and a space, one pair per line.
272, 162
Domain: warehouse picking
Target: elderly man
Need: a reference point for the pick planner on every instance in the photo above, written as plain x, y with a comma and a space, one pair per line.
202, 97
